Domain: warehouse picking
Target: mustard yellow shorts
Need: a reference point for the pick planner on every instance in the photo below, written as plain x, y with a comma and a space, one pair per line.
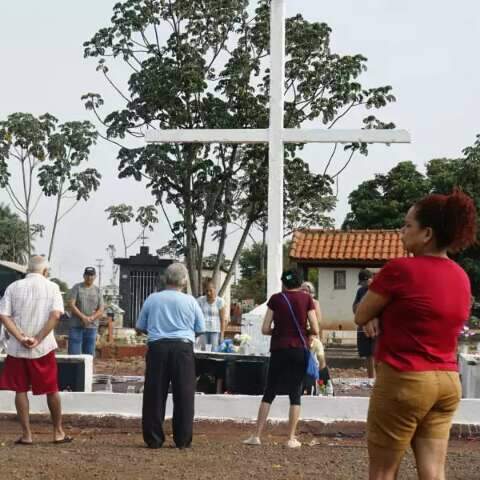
405, 405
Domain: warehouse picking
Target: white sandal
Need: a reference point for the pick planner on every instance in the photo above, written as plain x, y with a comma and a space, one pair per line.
293, 443
252, 440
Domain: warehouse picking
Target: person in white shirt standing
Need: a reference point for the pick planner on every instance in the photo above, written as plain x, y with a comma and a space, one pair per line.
215, 314
29, 311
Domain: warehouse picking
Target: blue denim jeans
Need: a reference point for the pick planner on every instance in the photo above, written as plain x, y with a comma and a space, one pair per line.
82, 341
209, 338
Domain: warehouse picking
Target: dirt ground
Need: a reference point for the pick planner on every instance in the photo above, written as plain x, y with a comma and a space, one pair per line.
113, 449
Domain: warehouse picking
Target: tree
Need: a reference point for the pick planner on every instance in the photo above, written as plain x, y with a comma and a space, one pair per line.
252, 263
23, 140
212, 73
122, 214
13, 237
384, 201
67, 148
63, 286
48, 156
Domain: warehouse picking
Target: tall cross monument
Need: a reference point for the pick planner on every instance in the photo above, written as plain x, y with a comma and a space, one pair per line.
276, 136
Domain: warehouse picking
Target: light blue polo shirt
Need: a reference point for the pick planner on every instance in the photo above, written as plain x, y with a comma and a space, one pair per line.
171, 314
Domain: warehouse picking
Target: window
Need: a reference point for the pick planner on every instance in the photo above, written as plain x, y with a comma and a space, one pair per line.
339, 279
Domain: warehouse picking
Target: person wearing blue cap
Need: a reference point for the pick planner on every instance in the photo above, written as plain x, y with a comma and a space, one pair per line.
85, 303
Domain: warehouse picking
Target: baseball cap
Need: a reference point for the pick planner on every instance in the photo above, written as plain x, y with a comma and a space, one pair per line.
89, 271
364, 275
292, 278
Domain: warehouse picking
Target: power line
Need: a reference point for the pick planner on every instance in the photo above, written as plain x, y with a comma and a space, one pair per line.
99, 265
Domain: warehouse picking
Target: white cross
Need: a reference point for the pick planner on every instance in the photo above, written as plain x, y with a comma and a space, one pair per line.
276, 136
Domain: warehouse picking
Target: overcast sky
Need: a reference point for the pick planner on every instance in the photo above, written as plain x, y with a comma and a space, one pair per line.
427, 50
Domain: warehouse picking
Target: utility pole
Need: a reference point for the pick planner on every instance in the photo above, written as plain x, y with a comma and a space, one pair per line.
99, 267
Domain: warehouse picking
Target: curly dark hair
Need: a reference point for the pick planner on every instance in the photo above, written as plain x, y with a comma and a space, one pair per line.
453, 219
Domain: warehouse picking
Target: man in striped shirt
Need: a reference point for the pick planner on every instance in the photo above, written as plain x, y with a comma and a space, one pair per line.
29, 311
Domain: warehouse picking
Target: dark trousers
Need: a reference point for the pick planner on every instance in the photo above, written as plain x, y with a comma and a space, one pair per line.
169, 362
285, 374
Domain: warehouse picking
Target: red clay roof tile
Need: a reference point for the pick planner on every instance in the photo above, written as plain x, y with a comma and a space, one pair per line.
347, 245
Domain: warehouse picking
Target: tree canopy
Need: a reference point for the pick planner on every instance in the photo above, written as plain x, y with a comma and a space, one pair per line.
46, 156
204, 64
383, 201
13, 237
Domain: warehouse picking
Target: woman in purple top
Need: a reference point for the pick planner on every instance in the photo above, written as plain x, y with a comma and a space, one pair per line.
287, 359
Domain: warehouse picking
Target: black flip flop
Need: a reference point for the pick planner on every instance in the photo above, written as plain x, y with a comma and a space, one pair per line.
65, 439
22, 442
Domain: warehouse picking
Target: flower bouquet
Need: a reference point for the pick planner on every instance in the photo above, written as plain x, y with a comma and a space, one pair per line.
241, 343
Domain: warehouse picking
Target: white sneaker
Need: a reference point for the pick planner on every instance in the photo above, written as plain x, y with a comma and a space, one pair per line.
293, 443
252, 440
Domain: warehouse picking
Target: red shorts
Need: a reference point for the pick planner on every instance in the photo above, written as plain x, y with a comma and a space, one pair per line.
37, 374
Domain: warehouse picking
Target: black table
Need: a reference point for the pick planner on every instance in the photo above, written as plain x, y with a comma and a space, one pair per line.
233, 372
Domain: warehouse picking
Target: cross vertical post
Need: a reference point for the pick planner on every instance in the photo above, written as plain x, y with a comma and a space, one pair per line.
276, 136
276, 147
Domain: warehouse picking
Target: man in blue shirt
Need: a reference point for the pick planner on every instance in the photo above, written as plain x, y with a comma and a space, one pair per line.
171, 319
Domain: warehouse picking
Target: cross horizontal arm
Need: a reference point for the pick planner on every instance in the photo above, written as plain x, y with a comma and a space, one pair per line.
289, 135
298, 135
208, 136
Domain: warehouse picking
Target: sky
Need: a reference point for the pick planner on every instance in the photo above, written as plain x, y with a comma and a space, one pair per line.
426, 50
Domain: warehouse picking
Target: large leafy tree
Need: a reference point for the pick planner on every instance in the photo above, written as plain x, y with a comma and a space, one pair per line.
46, 156
253, 281
13, 236
383, 201
204, 64
23, 141
60, 177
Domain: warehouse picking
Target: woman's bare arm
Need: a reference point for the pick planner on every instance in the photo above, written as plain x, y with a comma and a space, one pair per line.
267, 322
312, 320
370, 307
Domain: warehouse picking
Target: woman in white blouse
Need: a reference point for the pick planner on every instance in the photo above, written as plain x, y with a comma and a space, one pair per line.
214, 311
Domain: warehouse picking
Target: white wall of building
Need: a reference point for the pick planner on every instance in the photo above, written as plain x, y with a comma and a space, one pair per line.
336, 304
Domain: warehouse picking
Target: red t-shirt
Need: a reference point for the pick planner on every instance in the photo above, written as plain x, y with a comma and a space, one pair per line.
285, 333
430, 303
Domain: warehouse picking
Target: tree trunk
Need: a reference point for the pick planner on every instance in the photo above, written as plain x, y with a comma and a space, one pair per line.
188, 222
263, 251
125, 248
29, 234
55, 223
223, 236
218, 260
27, 207
236, 257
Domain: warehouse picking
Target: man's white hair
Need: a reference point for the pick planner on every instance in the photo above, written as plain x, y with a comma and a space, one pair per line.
176, 275
37, 264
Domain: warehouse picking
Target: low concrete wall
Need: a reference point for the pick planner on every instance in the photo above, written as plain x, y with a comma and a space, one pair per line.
240, 408
85, 360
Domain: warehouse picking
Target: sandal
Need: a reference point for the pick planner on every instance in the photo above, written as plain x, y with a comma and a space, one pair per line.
21, 441
65, 439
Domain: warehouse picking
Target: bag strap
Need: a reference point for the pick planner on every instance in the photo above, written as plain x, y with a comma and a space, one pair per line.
295, 320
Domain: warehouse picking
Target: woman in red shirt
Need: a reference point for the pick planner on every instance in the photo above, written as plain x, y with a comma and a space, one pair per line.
417, 306
287, 365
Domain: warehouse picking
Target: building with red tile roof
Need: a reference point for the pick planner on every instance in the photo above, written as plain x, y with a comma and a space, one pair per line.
367, 248
339, 255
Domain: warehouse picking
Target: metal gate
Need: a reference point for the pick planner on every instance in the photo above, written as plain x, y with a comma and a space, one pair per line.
142, 284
